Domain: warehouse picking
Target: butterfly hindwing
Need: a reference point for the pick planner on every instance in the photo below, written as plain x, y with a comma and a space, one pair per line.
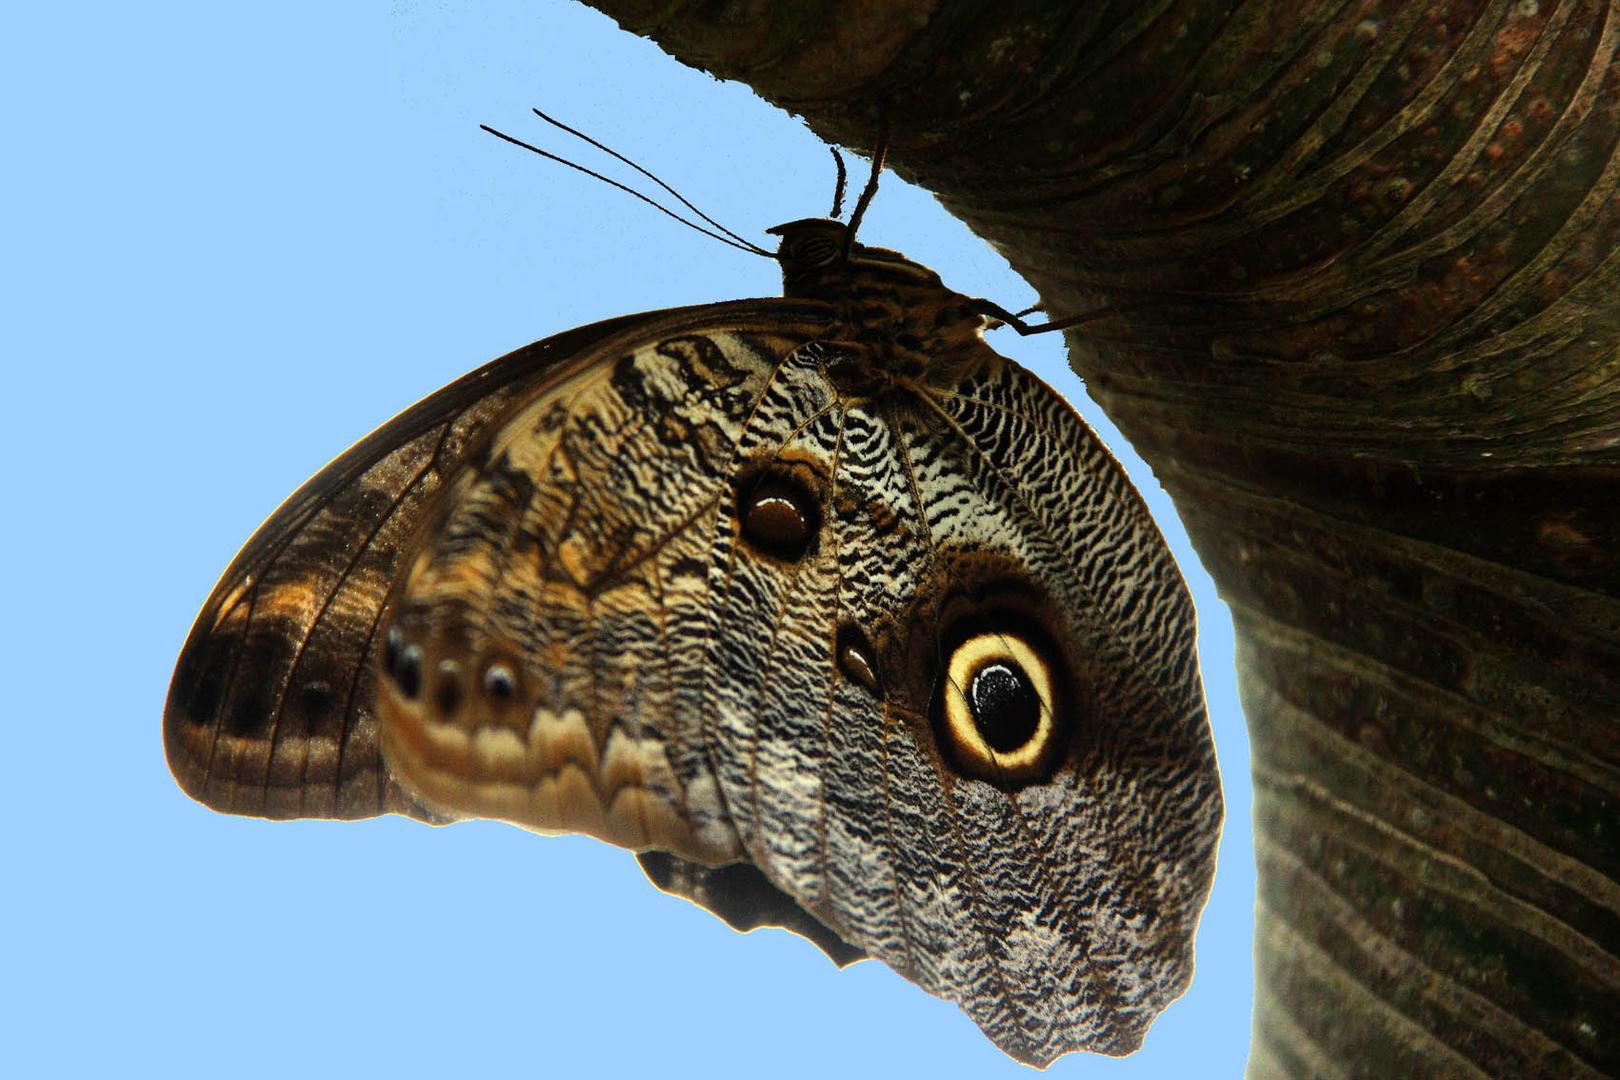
1011, 887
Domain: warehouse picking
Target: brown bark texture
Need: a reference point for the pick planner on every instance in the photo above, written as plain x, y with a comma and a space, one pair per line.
1365, 257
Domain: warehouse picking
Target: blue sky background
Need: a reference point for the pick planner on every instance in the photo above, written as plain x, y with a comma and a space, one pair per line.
238, 239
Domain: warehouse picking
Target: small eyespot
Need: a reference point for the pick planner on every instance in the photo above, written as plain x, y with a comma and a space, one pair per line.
447, 688
393, 641
778, 516
500, 684
1000, 706
856, 659
407, 671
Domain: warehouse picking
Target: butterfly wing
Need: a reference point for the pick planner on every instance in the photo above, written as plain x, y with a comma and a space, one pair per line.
272, 707
709, 604
1053, 893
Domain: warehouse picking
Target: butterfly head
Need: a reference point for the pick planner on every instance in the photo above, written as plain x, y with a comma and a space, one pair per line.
817, 249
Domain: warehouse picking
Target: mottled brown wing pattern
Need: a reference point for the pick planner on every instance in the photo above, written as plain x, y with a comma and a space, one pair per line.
1058, 911
637, 619
555, 625
271, 710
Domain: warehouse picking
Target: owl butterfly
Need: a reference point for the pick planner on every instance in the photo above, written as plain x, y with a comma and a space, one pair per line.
838, 619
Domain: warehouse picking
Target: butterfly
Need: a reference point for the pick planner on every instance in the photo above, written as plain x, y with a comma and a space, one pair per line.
840, 620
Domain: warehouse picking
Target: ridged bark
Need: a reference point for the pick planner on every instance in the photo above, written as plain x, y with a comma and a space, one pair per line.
1369, 339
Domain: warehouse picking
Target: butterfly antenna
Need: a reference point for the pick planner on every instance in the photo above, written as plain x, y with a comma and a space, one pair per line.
840, 185
752, 249
879, 155
576, 133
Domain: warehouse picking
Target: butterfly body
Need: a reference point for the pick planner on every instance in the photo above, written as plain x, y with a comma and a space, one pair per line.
841, 620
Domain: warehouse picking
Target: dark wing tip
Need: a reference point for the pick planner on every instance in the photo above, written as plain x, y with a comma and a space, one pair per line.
255, 726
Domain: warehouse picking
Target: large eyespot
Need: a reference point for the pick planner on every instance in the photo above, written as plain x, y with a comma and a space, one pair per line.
777, 514
1001, 705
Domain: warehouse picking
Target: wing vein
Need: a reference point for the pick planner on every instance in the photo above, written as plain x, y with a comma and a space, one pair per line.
975, 900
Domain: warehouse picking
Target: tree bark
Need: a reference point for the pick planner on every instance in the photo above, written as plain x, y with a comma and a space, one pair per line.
1368, 336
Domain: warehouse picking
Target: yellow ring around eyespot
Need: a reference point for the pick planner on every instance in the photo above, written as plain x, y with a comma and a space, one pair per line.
972, 655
